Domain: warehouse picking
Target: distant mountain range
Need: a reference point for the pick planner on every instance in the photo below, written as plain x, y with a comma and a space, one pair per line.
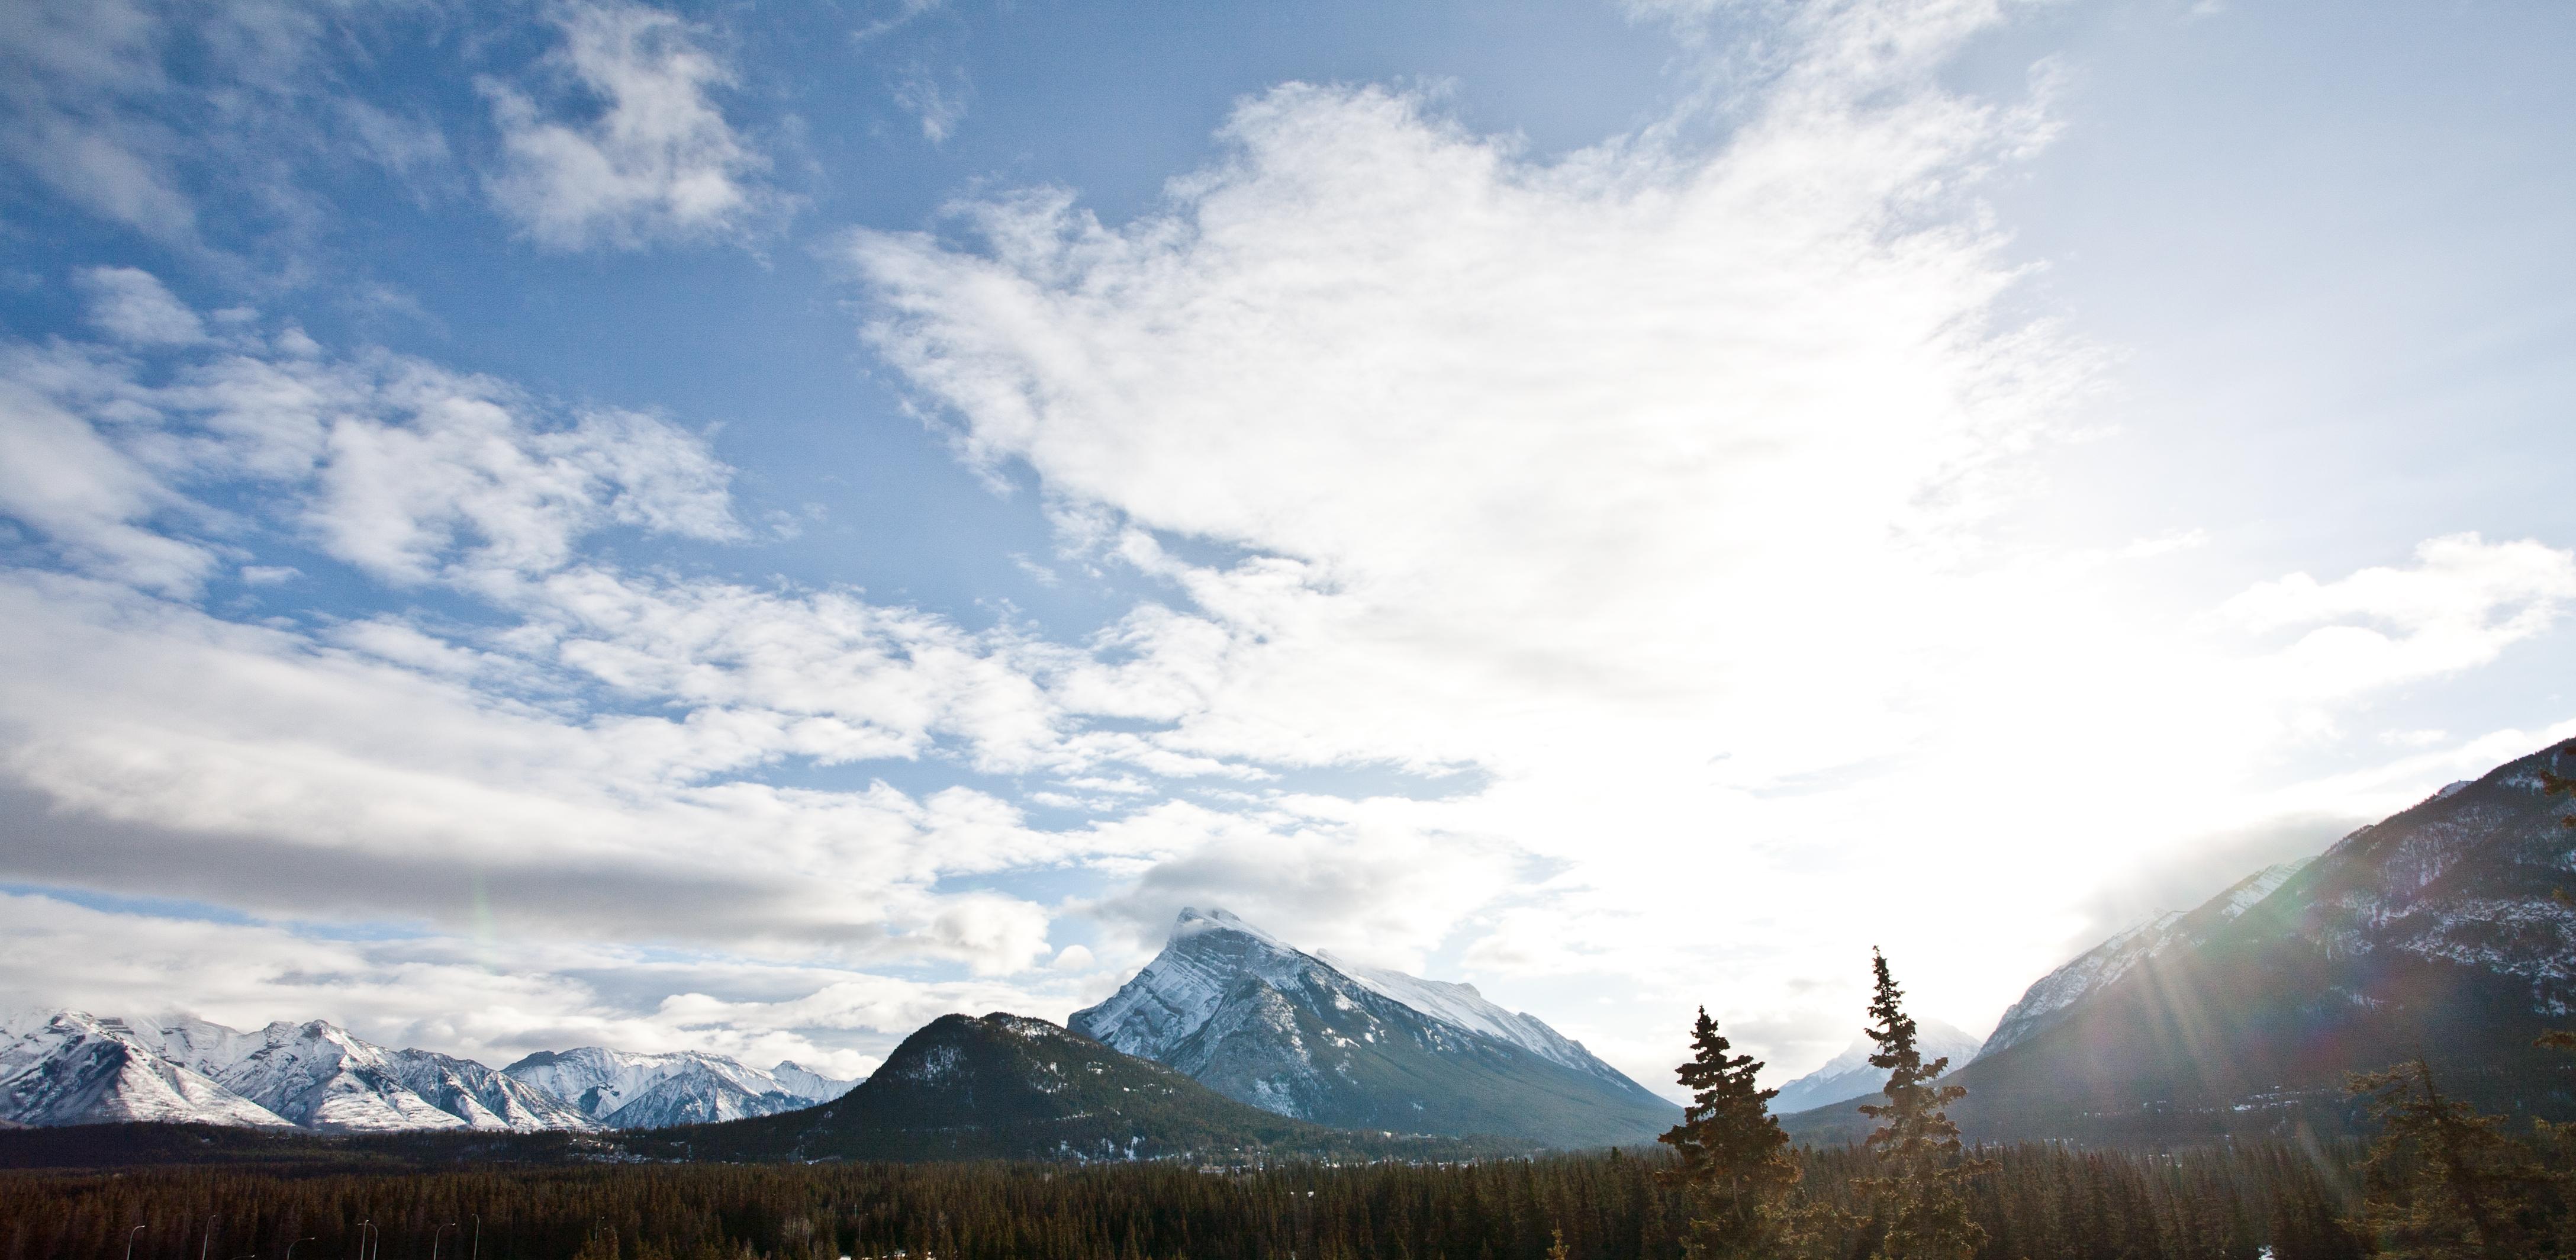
69, 1067
1230, 1041
2438, 932
1848, 1075
1269, 1025
620, 1089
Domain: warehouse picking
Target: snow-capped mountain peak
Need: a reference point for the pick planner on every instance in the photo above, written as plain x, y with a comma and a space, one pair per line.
1266, 1023
68, 1067
74, 1068
1180, 990
630, 1090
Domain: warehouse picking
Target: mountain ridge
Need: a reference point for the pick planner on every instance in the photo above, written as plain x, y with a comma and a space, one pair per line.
1270, 1025
69, 1067
2435, 933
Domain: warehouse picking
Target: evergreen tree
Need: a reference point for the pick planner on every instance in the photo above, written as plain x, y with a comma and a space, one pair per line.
1735, 1164
1921, 1189
2441, 1181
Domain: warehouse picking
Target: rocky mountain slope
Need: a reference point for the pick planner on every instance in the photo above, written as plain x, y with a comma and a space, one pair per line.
621, 1089
1265, 1023
318, 1076
67, 1067
75, 1069
1009, 1087
2436, 932
2051, 996
1848, 1075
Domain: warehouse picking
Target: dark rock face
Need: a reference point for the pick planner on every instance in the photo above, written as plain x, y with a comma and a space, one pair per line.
2435, 933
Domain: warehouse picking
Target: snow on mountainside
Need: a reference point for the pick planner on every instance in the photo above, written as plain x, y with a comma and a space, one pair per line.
66, 1067
2438, 933
1263, 1022
1175, 994
1462, 1006
484, 1098
627, 1090
1849, 1075
793, 1078
77, 1069
2050, 997
319, 1076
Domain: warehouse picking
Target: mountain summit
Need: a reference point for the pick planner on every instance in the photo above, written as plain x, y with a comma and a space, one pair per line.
1265, 1023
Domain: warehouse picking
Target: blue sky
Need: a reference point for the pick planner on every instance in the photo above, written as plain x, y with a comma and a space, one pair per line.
749, 527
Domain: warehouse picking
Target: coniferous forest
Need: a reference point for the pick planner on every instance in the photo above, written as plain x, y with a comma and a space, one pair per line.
2438, 1180
2040, 1203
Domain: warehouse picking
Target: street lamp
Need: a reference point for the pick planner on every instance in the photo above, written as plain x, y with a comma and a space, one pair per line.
290, 1247
478, 1236
210, 1238
435, 1235
363, 1227
129, 1241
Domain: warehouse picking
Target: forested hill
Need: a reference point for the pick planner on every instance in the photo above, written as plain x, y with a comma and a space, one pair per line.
1010, 1087
2040, 1204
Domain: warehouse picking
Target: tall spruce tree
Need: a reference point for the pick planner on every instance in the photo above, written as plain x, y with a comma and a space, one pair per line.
2442, 1181
1920, 1189
1735, 1163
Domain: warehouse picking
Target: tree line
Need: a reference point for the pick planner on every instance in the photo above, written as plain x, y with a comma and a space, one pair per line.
2038, 1203
2440, 1180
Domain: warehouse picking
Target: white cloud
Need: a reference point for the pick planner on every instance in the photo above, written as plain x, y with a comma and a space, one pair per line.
132, 306
903, 13
658, 160
2464, 601
391, 464
582, 748
88, 497
1645, 490
939, 106
65, 69
142, 113
494, 999
1650, 482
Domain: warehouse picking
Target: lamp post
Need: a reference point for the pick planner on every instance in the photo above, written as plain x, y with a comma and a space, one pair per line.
129, 1241
209, 1239
363, 1227
435, 1235
290, 1247
478, 1236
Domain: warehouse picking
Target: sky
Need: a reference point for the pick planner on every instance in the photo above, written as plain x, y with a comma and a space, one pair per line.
750, 526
